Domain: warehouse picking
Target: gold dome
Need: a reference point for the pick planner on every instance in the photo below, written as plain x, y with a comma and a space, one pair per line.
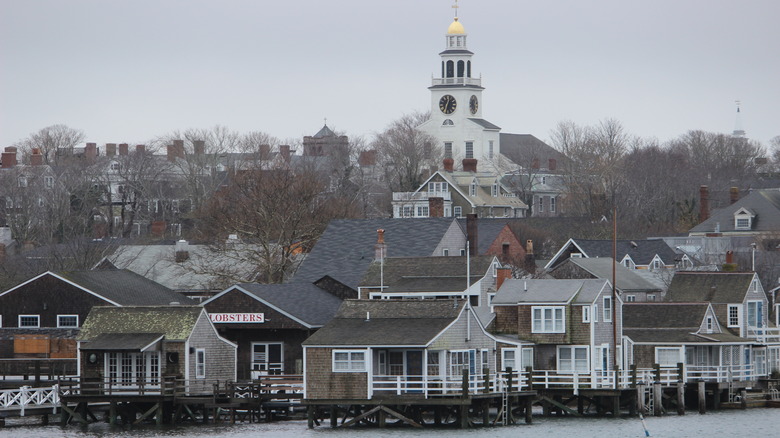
456, 28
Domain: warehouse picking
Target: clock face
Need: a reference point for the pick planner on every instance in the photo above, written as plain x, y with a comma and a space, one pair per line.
473, 104
447, 104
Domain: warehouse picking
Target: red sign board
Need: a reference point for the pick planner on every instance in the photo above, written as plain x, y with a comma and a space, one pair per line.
237, 318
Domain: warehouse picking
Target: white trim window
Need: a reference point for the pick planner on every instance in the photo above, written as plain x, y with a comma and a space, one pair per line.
630, 298
573, 358
548, 319
585, 313
755, 314
29, 321
200, 363
349, 361
67, 321
469, 149
509, 358
668, 356
735, 315
422, 211
457, 211
607, 309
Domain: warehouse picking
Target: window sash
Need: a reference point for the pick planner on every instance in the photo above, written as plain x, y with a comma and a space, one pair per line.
349, 361
548, 319
29, 321
200, 363
67, 321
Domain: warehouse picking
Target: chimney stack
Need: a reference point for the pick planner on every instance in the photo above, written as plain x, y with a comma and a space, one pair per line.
265, 151
552, 164
503, 274
199, 146
9, 157
436, 207
284, 151
530, 258
449, 165
182, 251
123, 148
380, 249
367, 158
110, 149
733, 195
704, 201
470, 165
471, 233
90, 152
140, 149
535, 164
36, 159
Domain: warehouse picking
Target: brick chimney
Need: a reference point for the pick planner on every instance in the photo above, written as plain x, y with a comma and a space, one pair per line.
729, 257
199, 146
733, 195
265, 151
175, 150
704, 203
552, 164
367, 158
110, 149
90, 152
284, 151
535, 163
449, 165
8, 157
502, 275
470, 165
140, 149
123, 148
436, 207
530, 258
380, 249
182, 251
471, 233
36, 159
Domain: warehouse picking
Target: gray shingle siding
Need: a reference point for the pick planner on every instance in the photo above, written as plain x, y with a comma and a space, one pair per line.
220, 355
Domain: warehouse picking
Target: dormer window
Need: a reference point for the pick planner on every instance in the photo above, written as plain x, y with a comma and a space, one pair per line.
473, 189
743, 219
494, 190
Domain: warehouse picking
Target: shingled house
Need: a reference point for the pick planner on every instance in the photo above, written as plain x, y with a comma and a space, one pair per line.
131, 347
630, 283
269, 322
434, 278
41, 317
651, 254
689, 333
570, 322
379, 347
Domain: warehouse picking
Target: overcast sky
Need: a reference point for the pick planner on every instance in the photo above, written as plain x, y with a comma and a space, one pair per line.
128, 71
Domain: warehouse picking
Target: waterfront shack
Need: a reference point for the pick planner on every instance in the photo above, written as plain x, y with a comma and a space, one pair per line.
134, 348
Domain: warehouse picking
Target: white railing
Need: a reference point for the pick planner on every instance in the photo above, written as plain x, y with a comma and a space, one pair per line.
764, 335
26, 397
457, 81
421, 196
447, 385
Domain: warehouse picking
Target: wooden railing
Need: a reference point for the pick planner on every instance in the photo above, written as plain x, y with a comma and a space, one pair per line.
432, 386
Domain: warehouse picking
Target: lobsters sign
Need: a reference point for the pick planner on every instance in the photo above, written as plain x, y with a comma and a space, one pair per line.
242, 318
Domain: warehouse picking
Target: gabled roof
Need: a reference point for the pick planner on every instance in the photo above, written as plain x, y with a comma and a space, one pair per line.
174, 322
715, 287
346, 248
426, 274
764, 204
581, 291
462, 180
488, 230
627, 280
387, 322
303, 302
485, 124
672, 323
119, 287
641, 252
523, 148
324, 132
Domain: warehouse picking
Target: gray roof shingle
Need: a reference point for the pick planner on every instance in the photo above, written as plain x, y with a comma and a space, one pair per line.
387, 322
765, 204
715, 287
514, 291
346, 248
303, 301
174, 322
125, 287
426, 274
627, 280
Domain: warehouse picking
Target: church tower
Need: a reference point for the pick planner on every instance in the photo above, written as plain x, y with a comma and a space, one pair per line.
456, 104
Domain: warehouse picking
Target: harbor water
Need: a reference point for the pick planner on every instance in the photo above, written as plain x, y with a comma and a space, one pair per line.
727, 423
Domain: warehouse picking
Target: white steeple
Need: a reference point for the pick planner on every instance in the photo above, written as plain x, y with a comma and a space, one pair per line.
739, 132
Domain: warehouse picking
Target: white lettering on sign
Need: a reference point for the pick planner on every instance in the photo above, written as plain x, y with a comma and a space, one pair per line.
247, 318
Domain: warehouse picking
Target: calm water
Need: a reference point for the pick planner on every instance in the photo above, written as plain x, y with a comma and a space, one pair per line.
750, 423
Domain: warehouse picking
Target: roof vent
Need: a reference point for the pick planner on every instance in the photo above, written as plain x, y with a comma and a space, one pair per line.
174, 303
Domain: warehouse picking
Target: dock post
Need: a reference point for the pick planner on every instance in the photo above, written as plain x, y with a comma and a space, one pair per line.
616, 405
633, 376
580, 405
640, 398
743, 398
529, 405
702, 397
680, 398
509, 379
658, 399
112, 414
464, 417
486, 378
382, 418
309, 416
334, 418
45, 419
485, 412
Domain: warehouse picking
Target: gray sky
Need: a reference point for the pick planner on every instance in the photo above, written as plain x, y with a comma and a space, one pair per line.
128, 71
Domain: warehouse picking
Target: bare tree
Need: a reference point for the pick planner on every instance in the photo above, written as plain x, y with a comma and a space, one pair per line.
49, 139
405, 153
